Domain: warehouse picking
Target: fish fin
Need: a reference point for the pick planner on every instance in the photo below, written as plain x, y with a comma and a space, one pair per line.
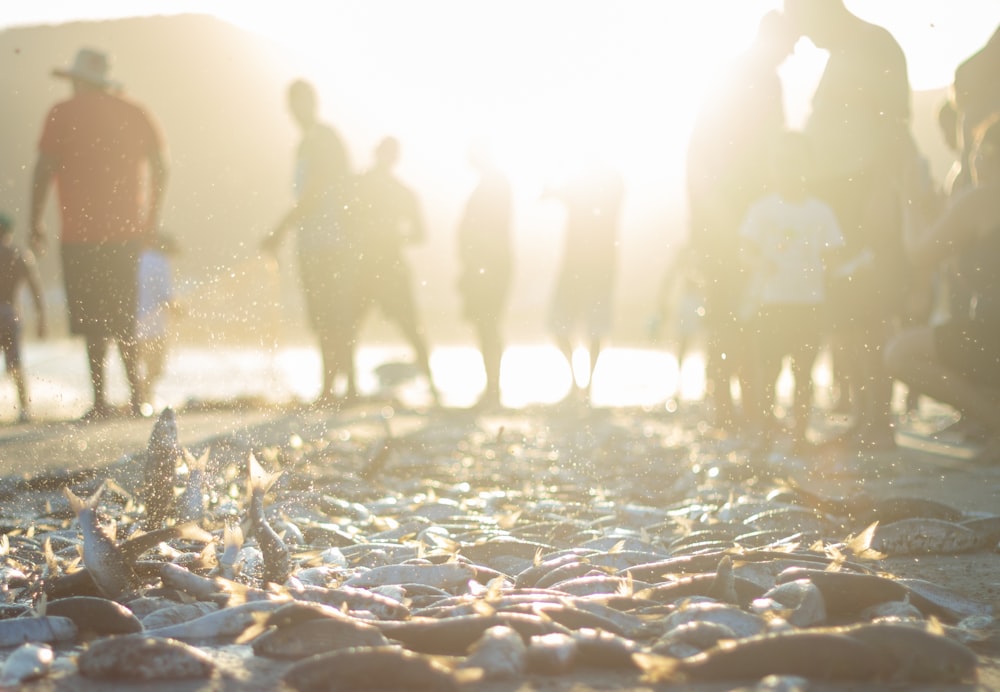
482, 608
538, 558
626, 585
494, 589
656, 668
5, 545
260, 480
468, 676
617, 547
196, 463
76, 503
51, 562
115, 487
861, 545
208, 558
42, 605
232, 535
934, 626
258, 627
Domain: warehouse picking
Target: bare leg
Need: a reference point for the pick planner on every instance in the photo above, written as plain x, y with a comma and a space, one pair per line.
491, 347
127, 349
595, 353
414, 334
97, 351
17, 374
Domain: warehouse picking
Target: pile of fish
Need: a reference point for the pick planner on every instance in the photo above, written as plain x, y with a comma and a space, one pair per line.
456, 555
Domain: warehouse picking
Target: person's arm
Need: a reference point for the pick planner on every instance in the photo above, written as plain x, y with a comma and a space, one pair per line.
41, 181
158, 174
34, 281
969, 215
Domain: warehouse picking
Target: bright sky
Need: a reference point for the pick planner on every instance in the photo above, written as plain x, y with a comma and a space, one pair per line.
541, 77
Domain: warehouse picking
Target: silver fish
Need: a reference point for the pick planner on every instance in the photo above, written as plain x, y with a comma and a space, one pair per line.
500, 654
277, 560
105, 562
26, 662
162, 454
143, 658
39, 630
228, 622
924, 536
447, 576
191, 502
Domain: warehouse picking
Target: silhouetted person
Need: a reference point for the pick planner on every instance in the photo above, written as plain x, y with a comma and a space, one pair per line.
157, 304
105, 155
584, 291
859, 132
484, 251
976, 97
327, 256
17, 269
737, 123
958, 362
388, 218
788, 235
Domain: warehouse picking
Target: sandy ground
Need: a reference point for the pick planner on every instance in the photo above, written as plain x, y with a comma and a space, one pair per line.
918, 468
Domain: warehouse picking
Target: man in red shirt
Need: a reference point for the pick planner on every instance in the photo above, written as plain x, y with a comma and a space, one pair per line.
105, 155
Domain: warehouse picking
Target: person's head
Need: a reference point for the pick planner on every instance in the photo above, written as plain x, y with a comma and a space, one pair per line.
89, 71
776, 37
986, 151
387, 153
822, 21
302, 102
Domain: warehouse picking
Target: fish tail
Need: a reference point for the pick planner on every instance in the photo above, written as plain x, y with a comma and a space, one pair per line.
260, 480
196, 463
232, 536
78, 504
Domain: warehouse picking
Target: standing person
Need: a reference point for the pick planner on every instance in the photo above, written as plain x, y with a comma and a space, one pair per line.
326, 255
16, 269
484, 249
389, 217
788, 235
860, 133
105, 155
585, 284
958, 362
736, 124
156, 303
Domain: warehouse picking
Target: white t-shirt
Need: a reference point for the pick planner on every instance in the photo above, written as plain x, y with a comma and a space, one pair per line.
791, 239
156, 289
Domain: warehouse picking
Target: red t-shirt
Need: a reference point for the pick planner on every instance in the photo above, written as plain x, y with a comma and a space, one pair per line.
101, 144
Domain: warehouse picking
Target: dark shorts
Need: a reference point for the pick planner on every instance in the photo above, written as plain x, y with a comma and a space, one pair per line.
101, 283
331, 293
391, 289
10, 335
970, 348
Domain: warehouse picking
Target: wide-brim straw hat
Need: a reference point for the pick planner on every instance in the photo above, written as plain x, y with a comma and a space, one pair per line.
89, 66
